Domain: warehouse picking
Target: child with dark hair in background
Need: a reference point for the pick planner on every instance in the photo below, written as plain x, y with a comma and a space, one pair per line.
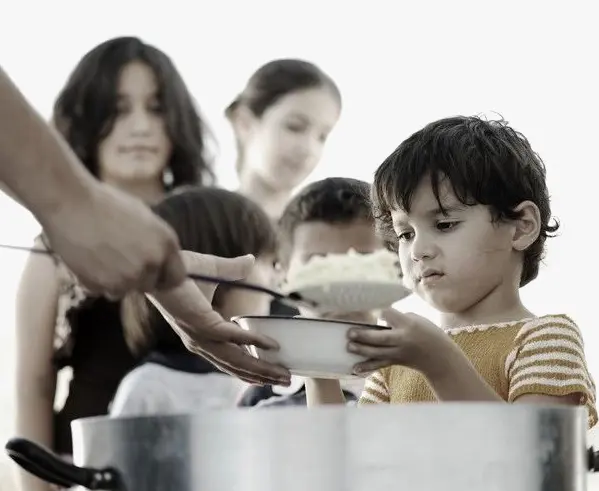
466, 204
128, 116
170, 378
330, 216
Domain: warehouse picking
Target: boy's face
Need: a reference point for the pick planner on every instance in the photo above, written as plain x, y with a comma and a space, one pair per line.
322, 238
458, 261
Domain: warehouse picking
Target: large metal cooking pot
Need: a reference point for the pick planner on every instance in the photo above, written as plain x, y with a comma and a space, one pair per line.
416, 447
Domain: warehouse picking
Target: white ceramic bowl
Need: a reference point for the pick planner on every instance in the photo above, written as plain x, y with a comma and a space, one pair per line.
308, 347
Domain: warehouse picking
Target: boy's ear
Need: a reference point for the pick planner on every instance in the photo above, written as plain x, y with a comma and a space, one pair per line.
526, 228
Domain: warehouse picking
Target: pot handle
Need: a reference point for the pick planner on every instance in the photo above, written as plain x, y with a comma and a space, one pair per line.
593, 460
50, 468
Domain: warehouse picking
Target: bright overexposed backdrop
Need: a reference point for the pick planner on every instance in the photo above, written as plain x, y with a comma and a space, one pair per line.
399, 66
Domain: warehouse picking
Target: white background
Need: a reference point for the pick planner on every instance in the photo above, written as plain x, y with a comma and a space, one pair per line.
399, 66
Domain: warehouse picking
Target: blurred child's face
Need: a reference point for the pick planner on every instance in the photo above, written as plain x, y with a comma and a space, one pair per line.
285, 144
242, 302
321, 238
138, 147
458, 261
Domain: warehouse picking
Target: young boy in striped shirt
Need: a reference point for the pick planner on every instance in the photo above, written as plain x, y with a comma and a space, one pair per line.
466, 203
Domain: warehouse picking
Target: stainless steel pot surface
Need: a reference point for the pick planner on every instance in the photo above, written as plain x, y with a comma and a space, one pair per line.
417, 447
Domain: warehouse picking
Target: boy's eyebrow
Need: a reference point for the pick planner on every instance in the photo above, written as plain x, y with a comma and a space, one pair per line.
446, 209
435, 212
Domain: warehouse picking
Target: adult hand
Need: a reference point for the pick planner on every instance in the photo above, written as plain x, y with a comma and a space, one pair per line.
114, 243
188, 310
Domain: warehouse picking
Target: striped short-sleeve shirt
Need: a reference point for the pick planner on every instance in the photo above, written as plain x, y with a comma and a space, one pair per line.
543, 355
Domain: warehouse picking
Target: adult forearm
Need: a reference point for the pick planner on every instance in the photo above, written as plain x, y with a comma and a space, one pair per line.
36, 165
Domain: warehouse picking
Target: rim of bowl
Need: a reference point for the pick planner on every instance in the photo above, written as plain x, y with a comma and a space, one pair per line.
325, 321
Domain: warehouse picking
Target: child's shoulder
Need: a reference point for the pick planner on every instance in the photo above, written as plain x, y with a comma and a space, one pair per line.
550, 325
520, 328
550, 319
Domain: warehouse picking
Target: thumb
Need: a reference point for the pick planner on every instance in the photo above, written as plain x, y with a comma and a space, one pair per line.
235, 268
393, 317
